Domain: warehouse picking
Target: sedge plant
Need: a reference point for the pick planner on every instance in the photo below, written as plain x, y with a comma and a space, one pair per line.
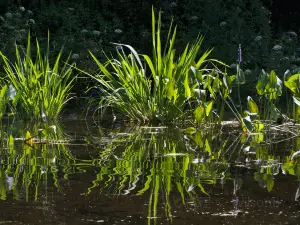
156, 89
41, 90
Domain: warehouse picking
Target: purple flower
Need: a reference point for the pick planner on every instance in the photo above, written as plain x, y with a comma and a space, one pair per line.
240, 54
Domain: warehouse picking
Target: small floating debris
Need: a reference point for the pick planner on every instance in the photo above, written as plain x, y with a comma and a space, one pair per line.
230, 213
145, 127
175, 154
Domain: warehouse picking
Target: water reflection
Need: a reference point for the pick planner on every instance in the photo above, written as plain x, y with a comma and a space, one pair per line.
208, 173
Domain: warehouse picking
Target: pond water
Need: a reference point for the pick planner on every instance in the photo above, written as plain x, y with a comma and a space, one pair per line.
83, 174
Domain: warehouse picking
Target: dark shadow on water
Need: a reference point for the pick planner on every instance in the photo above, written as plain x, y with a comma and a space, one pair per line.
84, 174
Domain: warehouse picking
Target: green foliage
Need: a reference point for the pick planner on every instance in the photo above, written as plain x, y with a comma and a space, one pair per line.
41, 90
164, 95
293, 84
269, 87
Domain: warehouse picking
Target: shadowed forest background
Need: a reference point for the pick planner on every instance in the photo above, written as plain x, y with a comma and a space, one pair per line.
266, 29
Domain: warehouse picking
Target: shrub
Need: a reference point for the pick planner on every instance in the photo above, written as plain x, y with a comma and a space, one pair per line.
164, 95
41, 90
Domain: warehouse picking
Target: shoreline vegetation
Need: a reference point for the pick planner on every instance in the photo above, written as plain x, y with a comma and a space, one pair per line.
165, 87
172, 126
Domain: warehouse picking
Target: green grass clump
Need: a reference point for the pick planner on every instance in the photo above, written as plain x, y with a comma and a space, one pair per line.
40, 91
164, 93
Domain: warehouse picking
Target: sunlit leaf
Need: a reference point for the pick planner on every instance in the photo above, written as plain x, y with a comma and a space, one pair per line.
253, 108
190, 130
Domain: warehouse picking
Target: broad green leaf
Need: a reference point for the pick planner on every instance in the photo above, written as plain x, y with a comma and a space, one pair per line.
259, 127
190, 130
199, 113
293, 83
248, 123
269, 181
240, 77
259, 138
253, 108
199, 139
209, 107
207, 147
187, 89
273, 79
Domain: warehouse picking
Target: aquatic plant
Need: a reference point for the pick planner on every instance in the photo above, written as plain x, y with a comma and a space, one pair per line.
166, 92
269, 87
41, 90
293, 84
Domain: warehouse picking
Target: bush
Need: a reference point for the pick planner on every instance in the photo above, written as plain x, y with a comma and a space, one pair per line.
39, 90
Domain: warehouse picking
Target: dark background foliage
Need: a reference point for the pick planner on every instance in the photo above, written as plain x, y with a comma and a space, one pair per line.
81, 25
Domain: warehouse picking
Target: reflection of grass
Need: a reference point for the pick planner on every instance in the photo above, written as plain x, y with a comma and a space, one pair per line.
26, 169
29, 167
167, 162
27, 164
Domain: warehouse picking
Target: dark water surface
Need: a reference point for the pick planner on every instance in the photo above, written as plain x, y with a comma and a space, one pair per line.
144, 175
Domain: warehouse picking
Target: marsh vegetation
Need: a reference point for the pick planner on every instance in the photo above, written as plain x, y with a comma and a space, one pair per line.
182, 134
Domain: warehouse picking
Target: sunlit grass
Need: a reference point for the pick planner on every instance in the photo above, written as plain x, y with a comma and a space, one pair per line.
39, 89
154, 89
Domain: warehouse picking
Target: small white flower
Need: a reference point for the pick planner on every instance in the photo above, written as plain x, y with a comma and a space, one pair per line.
96, 33
194, 18
292, 34
22, 9
9, 15
258, 38
75, 56
18, 15
277, 47
118, 31
71, 9
10, 27
31, 21
223, 24
83, 31
173, 4
285, 59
